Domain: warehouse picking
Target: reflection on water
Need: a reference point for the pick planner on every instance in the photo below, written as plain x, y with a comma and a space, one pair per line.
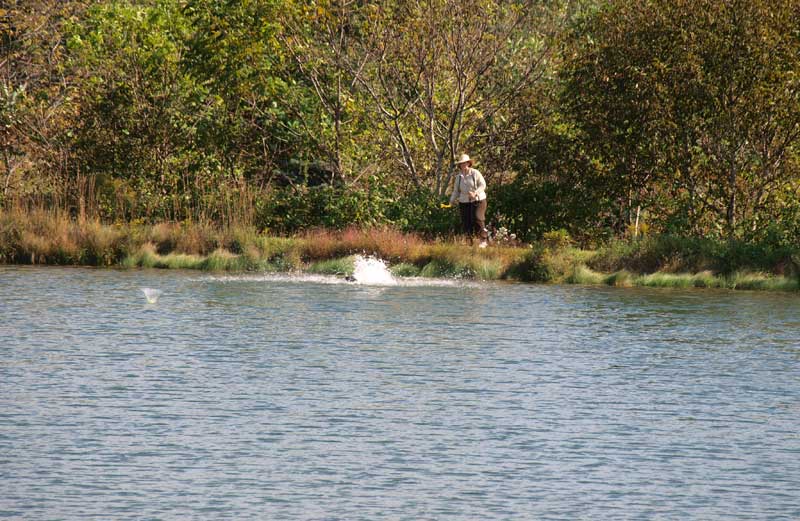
265, 397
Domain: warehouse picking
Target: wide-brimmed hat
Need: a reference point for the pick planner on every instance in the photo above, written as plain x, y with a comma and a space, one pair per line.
464, 159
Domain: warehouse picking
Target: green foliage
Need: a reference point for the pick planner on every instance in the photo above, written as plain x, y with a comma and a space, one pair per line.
675, 254
140, 111
296, 208
256, 109
441, 268
558, 186
556, 239
692, 108
404, 269
583, 275
341, 266
419, 210
595, 118
11, 119
534, 267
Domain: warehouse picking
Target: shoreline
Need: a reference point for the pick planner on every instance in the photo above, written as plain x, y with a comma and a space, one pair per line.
225, 262
48, 238
477, 265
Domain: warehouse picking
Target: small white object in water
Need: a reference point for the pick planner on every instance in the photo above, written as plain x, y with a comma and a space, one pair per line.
151, 295
372, 271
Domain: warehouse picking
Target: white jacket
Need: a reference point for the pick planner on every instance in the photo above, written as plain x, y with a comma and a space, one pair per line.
463, 184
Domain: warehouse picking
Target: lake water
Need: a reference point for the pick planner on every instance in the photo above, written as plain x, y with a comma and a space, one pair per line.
276, 397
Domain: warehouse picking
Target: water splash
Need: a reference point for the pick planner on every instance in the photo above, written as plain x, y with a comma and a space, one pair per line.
368, 271
335, 280
151, 295
372, 271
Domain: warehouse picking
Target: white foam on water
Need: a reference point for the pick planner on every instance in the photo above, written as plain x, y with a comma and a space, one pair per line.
151, 295
336, 280
372, 272
368, 271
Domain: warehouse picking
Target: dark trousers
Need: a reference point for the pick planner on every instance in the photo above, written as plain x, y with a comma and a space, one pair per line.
473, 218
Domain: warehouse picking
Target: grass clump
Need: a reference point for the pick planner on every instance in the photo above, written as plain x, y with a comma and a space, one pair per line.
665, 253
181, 261
186, 237
144, 257
761, 281
620, 279
440, 268
384, 243
487, 268
706, 279
222, 260
46, 238
666, 280
341, 266
103, 245
405, 269
272, 248
531, 268
543, 263
674, 254
148, 257
52, 237
583, 275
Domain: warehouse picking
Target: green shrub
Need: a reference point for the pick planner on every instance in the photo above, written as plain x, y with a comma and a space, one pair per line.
341, 266
556, 239
439, 268
404, 269
533, 267
583, 275
621, 278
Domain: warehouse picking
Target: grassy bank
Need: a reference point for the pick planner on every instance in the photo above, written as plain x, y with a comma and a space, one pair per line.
52, 238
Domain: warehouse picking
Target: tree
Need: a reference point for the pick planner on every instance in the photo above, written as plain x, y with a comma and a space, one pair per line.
235, 51
320, 36
693, 106
37, 104
441, 75
140, 112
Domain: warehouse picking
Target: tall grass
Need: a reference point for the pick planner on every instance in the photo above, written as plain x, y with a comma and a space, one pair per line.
39, 237
621, 278
405, 269
148, 257
385, 243
672, 254
583, 275
761, 281
340, 266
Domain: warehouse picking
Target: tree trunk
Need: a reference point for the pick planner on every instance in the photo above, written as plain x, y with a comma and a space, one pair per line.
9, 170
731, 210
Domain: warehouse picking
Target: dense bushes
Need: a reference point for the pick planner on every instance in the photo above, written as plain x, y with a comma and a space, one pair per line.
54, 238
605, 119
675, 254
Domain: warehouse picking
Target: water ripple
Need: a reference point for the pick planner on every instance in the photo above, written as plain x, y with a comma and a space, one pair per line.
311, 398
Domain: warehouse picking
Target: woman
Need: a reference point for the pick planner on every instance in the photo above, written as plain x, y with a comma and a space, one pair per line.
469, 189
